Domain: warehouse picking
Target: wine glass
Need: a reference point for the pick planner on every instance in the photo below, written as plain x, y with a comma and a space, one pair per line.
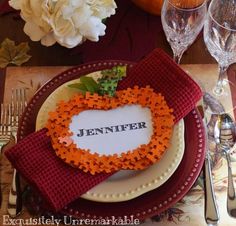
182, 21
220, 39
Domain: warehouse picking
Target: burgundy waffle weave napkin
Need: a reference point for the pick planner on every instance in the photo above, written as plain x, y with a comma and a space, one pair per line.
160, 72
59, 183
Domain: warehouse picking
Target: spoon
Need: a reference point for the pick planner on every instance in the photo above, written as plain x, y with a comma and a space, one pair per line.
224, 133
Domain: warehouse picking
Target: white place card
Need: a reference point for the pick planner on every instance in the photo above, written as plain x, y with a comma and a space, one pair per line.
114, 131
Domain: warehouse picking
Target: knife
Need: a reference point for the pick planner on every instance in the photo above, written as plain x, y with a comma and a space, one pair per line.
211, 211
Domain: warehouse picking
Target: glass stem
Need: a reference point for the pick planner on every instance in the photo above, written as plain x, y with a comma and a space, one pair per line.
177, 56
219, 88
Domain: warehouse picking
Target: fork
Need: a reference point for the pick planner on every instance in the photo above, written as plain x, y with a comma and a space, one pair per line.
5, 131
18, 104
5, 125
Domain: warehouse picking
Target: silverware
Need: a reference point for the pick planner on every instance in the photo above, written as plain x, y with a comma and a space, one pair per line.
225, 138
211, 212
5, 131
18, 104
213, 103
211, 209
5, 125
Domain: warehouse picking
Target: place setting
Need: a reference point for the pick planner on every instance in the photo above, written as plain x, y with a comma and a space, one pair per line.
115, 191
123, 142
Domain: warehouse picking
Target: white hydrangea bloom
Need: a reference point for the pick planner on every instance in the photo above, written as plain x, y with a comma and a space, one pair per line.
68, 22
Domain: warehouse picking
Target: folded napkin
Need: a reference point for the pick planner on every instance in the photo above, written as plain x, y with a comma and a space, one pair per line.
59, 183
160, 72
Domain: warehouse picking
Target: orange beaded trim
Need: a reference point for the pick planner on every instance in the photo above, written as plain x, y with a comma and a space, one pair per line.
139, 158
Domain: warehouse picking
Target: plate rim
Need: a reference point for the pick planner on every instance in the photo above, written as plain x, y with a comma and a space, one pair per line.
104, 193
147, 211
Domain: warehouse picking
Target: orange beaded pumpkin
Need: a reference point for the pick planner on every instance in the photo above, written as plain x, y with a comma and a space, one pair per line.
151, 6
154, 6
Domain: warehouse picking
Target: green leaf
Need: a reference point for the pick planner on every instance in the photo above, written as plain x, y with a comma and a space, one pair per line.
115, 72
79, 86
87, 84
91, 85
120, 71
13, 54
110, 78
106, 85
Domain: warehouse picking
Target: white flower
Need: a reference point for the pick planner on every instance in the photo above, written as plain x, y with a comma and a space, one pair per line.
68, 22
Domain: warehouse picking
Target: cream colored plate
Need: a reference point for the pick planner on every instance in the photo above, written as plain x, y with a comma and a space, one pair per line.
125, 184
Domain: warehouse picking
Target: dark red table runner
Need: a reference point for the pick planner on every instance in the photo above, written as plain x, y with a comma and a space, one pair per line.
130, 35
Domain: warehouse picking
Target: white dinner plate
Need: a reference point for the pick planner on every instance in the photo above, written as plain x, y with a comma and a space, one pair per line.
125, 184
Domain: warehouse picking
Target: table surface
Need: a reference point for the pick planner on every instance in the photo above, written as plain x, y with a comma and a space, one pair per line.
189, 211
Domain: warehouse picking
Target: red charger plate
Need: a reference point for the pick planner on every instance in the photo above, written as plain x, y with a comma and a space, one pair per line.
150, 203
